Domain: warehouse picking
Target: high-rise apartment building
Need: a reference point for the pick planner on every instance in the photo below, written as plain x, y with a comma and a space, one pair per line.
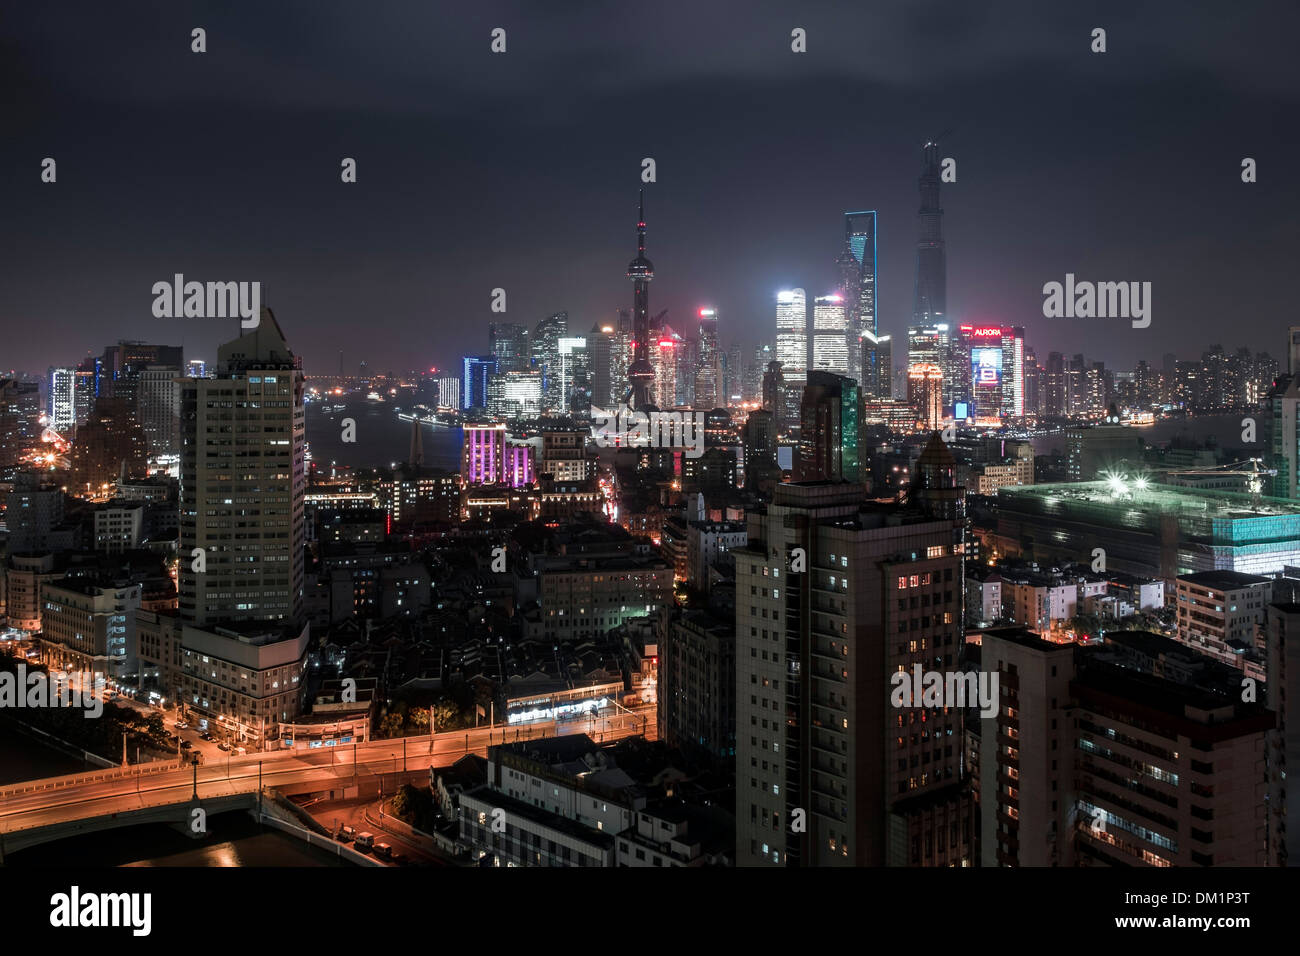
110, 442
242, 485
1088, 763
839, 594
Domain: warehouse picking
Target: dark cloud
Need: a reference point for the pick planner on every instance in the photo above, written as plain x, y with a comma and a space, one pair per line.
479, 171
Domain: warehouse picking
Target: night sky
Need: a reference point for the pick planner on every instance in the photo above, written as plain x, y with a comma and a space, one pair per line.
521, 170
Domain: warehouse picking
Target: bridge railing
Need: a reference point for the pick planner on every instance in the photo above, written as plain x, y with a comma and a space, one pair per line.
79, 779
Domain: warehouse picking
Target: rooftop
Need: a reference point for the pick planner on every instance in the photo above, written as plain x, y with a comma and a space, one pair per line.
1224, 580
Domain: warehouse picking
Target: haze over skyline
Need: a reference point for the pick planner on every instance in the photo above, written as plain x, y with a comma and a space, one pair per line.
520, 170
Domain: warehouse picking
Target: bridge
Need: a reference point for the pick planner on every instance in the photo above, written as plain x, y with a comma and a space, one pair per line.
42, 811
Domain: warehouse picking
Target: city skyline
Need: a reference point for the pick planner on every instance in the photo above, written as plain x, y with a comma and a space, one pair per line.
921, 491
1057, 199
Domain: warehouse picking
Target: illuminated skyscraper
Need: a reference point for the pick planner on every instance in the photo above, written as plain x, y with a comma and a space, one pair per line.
708, 374
997, 369
482, 456
830, 331
930, 298
641, 375
574, 376
860, 238
62, 401
546, 357
663, 350
474, 380
925, 394
792, 335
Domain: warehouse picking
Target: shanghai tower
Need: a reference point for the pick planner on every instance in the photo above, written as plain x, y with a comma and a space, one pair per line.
641, 373
929, 303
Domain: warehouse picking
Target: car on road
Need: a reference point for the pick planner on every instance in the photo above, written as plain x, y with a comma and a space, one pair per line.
186, 745
398, 859
364, 841
241, 750
223, 746
181, 725
207, 735
347, 834
383, 851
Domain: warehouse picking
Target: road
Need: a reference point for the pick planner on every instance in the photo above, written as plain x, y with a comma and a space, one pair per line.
40, 803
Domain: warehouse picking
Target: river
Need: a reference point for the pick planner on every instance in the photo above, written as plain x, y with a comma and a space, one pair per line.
381, 438
1226, 429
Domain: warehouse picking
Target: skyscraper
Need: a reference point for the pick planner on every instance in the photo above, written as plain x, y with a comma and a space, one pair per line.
830, 334
158, 408
62, 399
600, 345
877, 366
574, 376
509, 344
929, 302
828, 436
641, 375
243, 484
925, 393
546, 358
665, 344
476, 370
708, 374
773, 392
792, 335
860, 235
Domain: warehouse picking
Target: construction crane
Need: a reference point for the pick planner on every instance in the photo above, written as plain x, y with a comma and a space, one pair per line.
1254, 483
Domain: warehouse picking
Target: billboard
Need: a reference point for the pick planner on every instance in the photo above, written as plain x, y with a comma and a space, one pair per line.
986, 366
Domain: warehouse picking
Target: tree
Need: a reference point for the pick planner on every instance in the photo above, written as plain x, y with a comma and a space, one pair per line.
391, 725
446, 715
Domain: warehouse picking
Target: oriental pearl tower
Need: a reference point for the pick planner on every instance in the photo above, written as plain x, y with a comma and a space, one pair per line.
641, 270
